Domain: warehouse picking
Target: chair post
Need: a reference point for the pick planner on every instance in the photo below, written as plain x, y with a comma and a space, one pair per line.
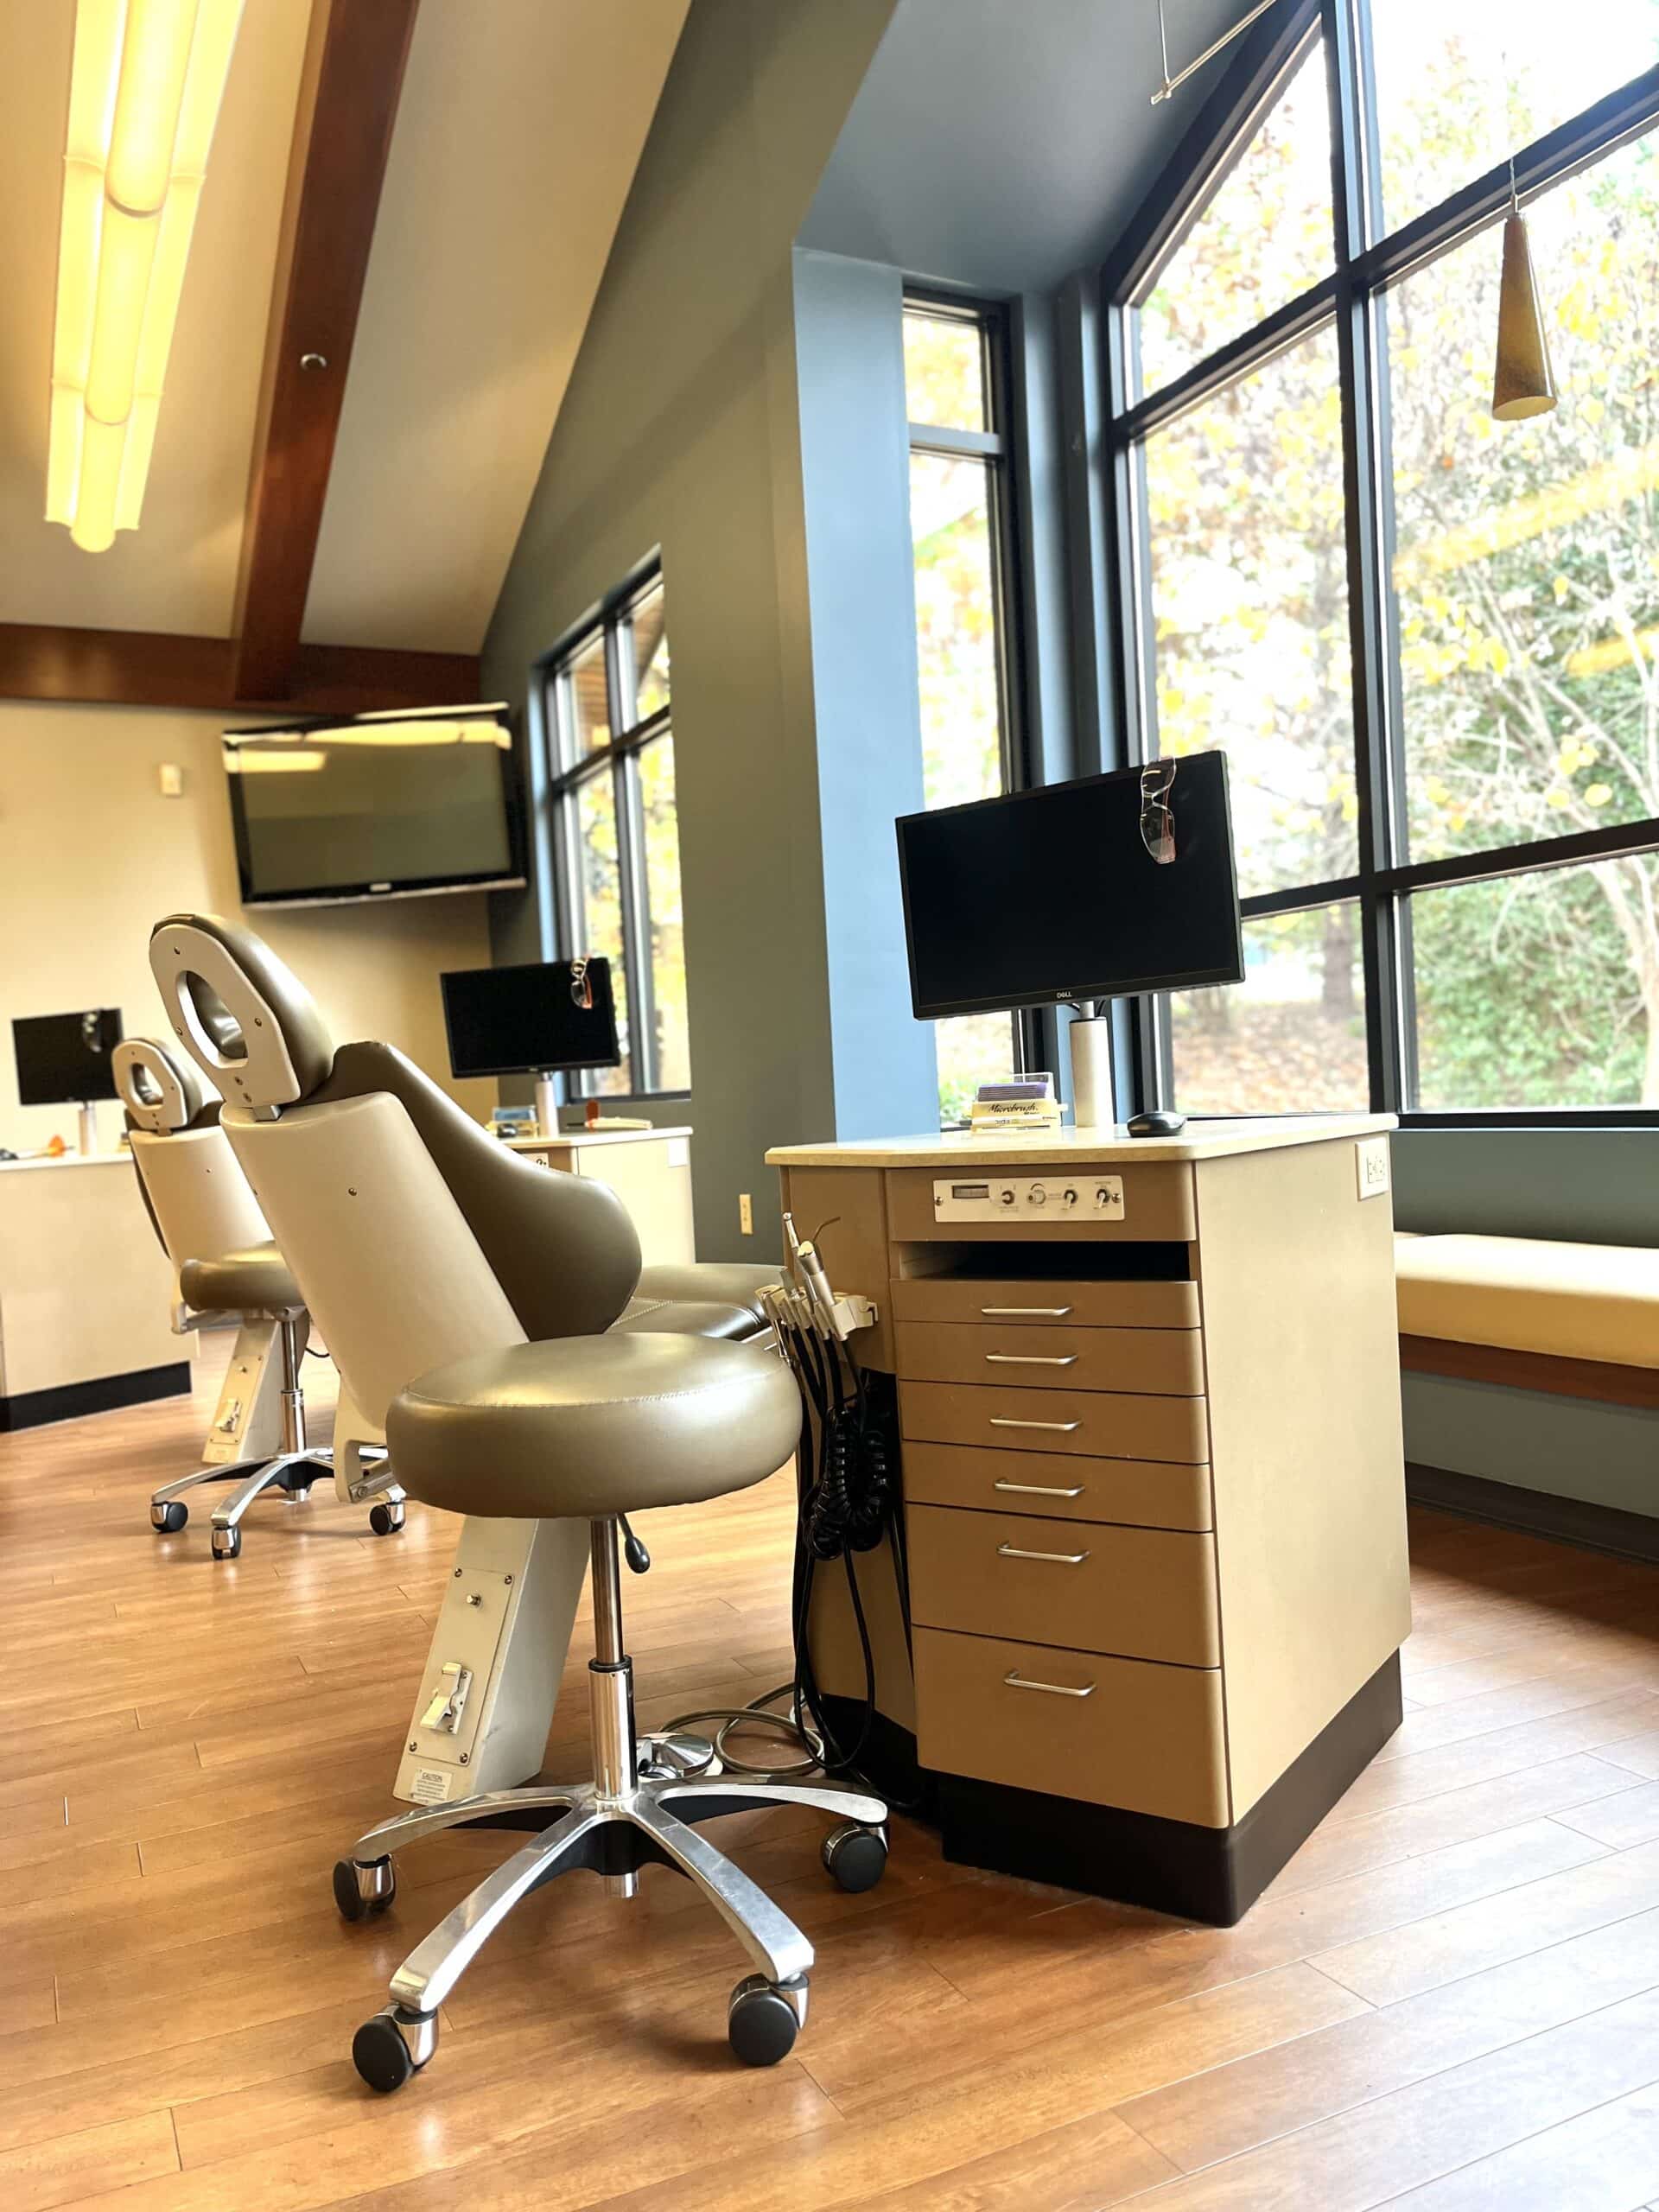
294, 1333
610, 1673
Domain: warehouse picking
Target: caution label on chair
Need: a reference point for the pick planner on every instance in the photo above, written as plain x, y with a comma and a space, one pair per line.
430, 1785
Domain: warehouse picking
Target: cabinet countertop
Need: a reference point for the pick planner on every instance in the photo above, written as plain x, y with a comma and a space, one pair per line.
1205, 1140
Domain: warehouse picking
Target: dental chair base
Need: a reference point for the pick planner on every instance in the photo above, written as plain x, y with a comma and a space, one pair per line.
642, 1808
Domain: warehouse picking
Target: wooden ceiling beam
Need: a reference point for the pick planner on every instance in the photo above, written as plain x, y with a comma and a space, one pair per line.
140, 668
353, 74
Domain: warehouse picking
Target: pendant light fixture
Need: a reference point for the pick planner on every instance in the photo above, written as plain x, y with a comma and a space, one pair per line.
1524, 382
144, 93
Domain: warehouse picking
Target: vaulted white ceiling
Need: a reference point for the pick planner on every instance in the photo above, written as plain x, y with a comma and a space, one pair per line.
518, 130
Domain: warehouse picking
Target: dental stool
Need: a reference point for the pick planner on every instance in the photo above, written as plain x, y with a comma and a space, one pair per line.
492, 1321
226, 1270
593, 1429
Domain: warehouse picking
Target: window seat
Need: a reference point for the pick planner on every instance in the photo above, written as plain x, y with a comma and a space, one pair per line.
1577, 1320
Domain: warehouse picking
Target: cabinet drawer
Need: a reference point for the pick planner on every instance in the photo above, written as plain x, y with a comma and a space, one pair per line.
1140, 1593
1158, 1363
1157, 1204
1157, 1494
1145, 1738
1014, 1305
1110, 1424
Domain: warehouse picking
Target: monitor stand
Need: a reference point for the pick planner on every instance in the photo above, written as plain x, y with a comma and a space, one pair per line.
547, 1106
88, 1130
1093, 1105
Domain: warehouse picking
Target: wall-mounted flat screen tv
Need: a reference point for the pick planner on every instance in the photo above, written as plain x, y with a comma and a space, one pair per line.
380, 806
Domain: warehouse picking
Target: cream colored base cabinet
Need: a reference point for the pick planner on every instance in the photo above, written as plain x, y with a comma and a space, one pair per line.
1153, 1483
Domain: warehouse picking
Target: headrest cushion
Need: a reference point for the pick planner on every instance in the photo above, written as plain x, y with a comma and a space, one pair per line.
159, 1087
242, 1014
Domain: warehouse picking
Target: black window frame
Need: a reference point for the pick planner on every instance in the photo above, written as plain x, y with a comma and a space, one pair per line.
996, 445
569, 769
1366, 264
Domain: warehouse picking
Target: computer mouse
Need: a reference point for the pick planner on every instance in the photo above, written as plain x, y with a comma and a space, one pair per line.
1155, 1123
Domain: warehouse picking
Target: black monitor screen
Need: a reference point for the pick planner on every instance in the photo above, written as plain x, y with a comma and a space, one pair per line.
519, 1021
1051, 895
63, 1059
360, 811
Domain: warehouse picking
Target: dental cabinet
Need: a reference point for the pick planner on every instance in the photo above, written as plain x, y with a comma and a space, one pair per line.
1148, 1411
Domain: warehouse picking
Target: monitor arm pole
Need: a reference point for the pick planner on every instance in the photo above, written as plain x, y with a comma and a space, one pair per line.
547, 1106
1093, 1105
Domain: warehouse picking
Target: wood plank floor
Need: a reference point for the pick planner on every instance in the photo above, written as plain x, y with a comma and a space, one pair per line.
1450, 2000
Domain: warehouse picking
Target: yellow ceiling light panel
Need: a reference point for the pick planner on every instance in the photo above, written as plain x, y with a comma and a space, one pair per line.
144, 94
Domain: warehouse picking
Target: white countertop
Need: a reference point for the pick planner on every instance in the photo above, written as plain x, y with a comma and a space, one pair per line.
585, 1137
1207, 1140
72, 1159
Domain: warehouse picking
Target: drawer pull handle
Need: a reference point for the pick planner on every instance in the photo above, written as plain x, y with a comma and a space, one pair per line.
1031, 1359
1060, 1428
1039, 1312
1015, 1681
1054, 1559
1040, 1490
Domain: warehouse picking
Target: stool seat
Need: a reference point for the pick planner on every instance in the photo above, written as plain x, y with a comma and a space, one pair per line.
254, 1281
726, 1283
584, 1427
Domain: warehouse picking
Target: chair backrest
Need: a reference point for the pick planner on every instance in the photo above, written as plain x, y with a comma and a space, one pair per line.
197, 1196
416, 1239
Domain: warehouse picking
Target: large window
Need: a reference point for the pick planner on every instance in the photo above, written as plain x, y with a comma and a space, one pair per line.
1427, 641
616, 836
954, 381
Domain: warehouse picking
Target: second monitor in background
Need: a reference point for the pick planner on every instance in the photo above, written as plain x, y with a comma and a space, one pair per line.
63, 1059
546, 1017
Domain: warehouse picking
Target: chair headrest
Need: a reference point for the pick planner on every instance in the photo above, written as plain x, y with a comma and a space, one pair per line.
159, 1087
242, 1014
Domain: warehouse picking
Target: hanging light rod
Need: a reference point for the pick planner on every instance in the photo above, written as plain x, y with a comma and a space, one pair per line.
1174, 84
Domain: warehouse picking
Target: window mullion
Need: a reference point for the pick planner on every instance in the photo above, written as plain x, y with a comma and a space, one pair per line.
1363, 465
625, 789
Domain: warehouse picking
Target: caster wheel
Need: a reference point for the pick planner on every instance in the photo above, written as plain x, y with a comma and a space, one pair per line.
168, 1519
857, 1858
762, 2020
381, 2052
386, 1520
360, 1890
227, 1543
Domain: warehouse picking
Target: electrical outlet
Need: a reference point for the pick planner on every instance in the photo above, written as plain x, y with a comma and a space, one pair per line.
745, 1213
1371, 1165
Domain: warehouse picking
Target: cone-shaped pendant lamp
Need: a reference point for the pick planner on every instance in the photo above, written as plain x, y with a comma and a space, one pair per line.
1524, 382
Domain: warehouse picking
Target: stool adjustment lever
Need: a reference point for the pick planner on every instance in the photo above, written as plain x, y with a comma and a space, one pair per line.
450, 1700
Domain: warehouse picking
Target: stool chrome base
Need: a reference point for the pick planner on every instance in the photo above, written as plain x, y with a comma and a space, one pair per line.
294, 1469
628, 1817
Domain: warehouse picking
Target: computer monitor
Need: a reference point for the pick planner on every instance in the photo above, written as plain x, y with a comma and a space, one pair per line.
63, 1059
529, 1020
1055, 896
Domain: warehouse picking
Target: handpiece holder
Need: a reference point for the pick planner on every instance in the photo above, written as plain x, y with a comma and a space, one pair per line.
841, 1316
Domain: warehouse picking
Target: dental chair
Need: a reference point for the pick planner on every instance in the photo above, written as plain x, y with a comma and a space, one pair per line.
227, 1270
528, 1376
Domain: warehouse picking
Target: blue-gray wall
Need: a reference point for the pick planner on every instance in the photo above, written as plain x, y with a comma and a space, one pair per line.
861, 589
680, 431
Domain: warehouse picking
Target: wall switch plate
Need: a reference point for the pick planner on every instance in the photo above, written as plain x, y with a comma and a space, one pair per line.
171, 779
1371, 1165
745, 1213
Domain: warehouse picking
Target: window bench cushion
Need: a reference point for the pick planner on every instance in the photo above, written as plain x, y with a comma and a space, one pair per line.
1568, 1301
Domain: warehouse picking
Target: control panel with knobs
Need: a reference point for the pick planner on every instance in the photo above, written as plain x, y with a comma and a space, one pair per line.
1029, 1197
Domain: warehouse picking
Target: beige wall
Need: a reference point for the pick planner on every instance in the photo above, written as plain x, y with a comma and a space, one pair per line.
91, 855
